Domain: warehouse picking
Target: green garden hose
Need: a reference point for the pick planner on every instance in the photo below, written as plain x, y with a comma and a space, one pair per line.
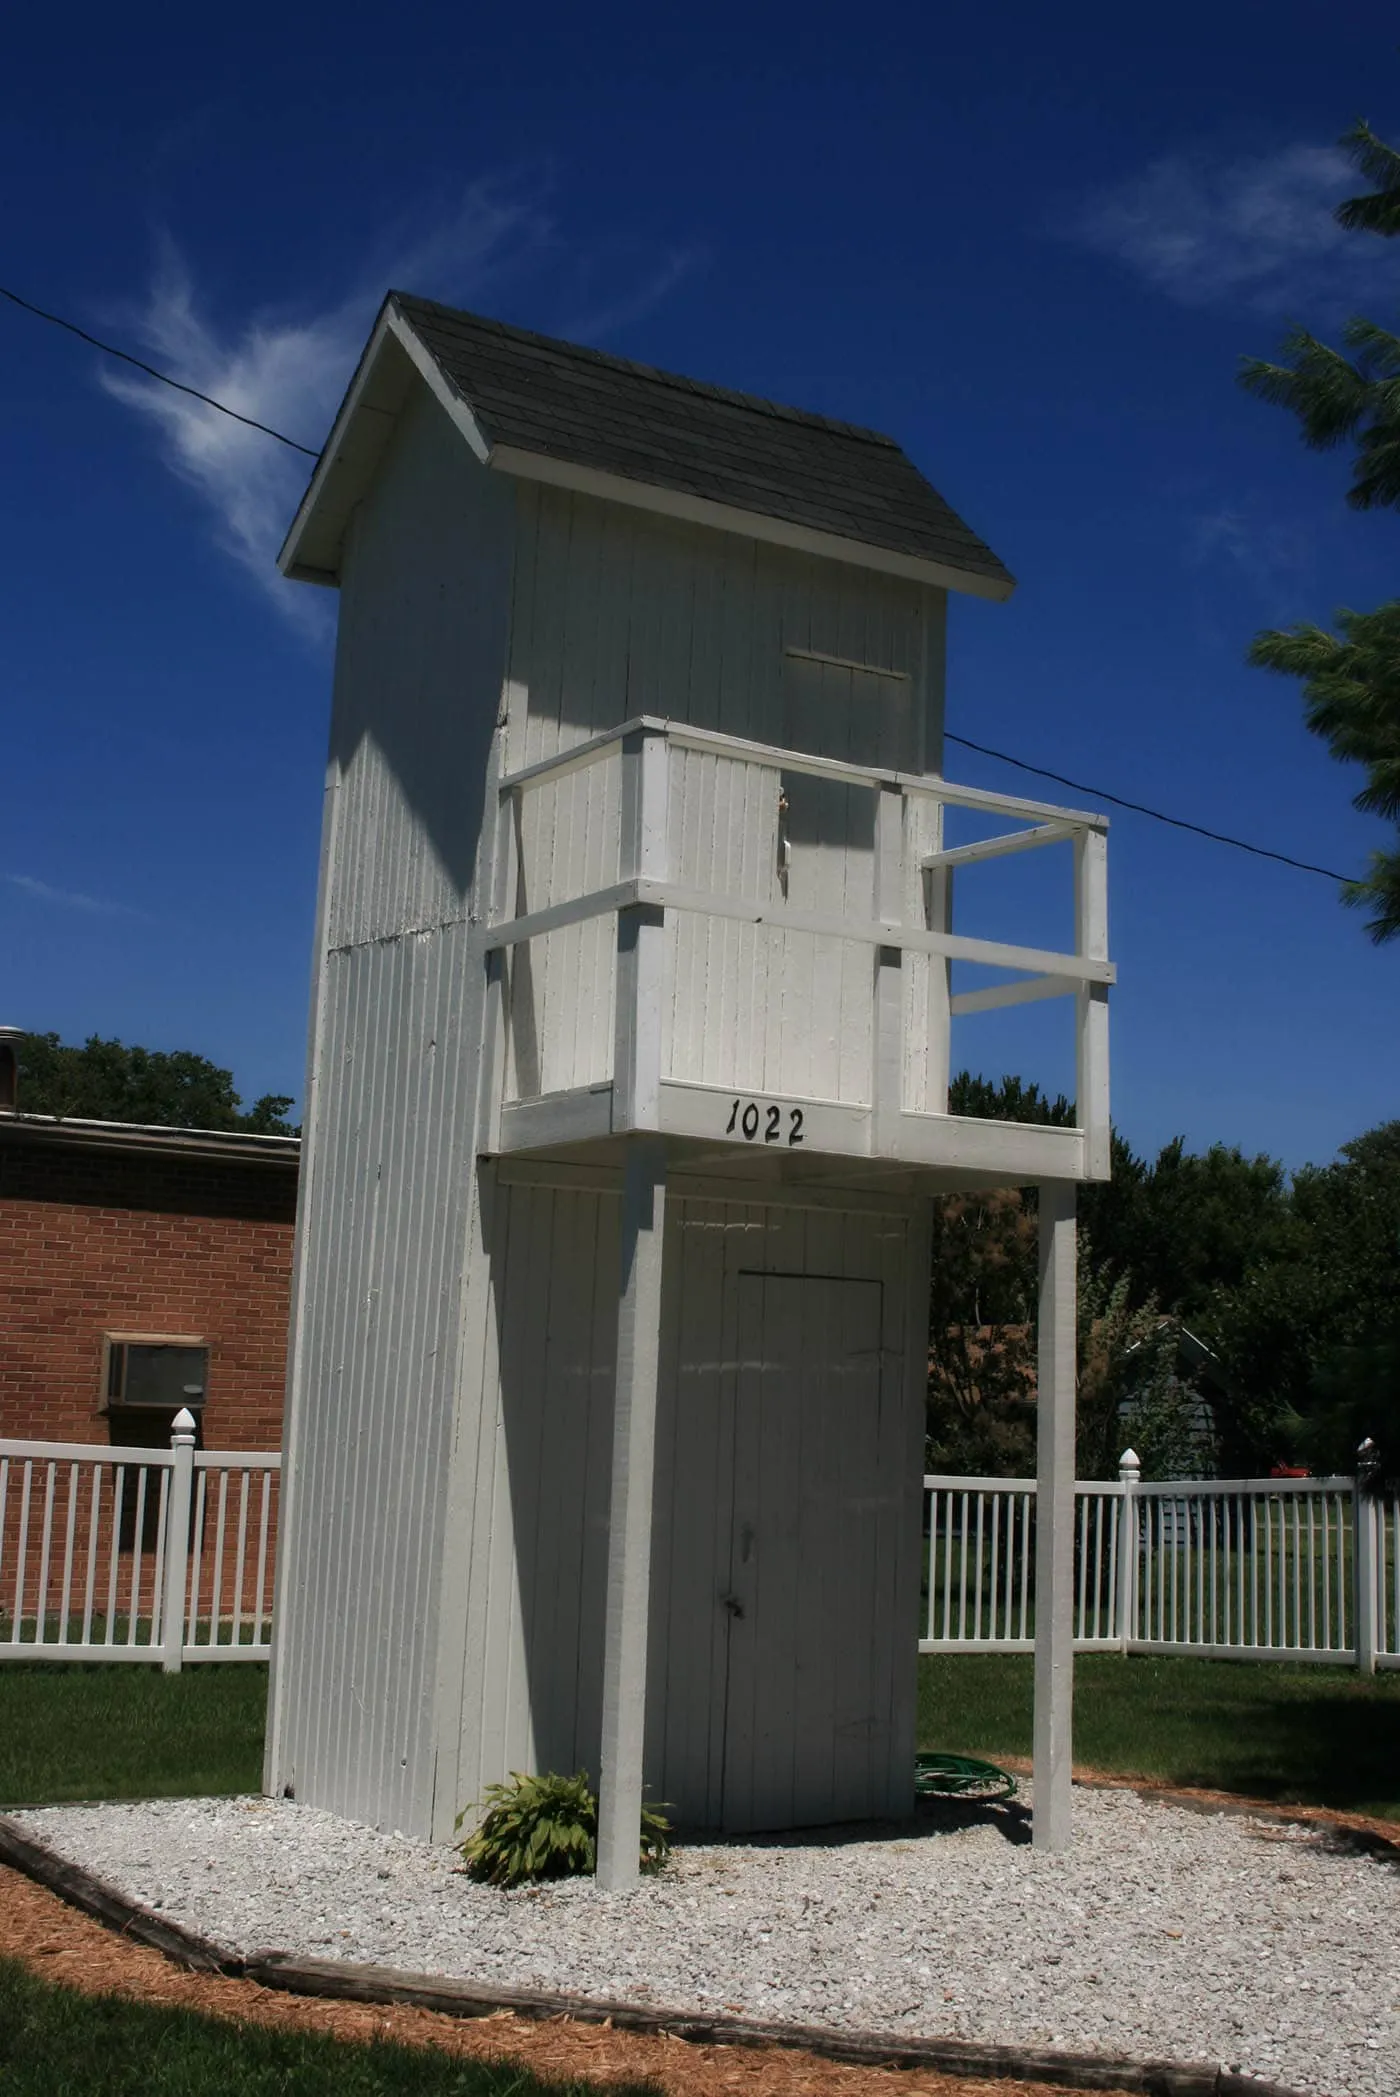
961, 1776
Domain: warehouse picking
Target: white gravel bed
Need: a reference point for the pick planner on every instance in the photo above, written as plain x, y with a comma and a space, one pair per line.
1161, 1932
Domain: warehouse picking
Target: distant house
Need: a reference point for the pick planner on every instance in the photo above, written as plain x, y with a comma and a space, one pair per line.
1200, 1381
141, 1270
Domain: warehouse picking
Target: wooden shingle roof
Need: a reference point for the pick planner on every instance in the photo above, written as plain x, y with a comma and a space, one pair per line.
559, 401
535, 408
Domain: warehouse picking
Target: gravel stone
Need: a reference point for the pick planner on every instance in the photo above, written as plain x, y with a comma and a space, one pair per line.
1273, 1950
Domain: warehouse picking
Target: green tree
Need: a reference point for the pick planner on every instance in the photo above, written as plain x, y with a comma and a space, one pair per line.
1293, 1286
1012, 1099
1350, 1386
1187, 1224
982, 1308
1351, 679
982, 1331
1305, 1335
114, 1081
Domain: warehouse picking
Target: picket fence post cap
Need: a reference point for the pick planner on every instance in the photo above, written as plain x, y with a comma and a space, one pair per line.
1130, 1461
183, 1422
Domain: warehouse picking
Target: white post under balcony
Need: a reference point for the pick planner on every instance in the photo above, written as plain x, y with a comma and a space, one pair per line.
636, 1104
630, 1513
1054, 1520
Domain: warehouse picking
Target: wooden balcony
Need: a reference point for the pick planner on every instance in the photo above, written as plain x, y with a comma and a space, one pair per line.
749, 950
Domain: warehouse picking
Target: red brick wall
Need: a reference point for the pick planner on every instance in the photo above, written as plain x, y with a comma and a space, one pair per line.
92, 1243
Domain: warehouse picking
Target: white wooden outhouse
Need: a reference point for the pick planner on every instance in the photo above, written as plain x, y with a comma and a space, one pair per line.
627, 1096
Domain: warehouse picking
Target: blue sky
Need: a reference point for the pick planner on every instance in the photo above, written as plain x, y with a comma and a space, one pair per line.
1030, 242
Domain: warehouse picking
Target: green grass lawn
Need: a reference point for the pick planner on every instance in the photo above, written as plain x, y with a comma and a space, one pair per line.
1315, 1735
1322, 1736
119, 1731
55, 2043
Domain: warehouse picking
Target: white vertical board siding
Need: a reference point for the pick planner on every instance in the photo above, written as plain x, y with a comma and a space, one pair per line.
536, 1554
392, 1101
616, 615
535, 1493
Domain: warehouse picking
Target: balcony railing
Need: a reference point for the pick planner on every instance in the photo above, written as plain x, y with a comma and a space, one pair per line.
727, 940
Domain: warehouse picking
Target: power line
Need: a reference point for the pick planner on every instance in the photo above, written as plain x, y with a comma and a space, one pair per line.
1099, 793
110, 350
1096, 793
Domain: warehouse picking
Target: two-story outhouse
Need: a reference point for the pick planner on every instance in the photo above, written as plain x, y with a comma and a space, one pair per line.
627, 1096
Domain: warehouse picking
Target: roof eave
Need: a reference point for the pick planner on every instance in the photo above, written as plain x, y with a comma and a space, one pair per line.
346, 468
233, 1146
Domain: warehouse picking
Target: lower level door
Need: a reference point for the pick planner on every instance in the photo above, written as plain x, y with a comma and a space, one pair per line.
810, 1589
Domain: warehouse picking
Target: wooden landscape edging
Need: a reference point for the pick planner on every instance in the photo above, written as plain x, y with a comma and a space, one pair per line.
337, 1980
127, 1917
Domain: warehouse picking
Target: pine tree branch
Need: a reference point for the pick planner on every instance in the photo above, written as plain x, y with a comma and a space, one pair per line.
1351, 699
1328, 394
1378, 892
1378, 212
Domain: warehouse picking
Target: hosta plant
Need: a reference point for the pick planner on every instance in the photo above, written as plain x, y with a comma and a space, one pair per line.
547, 1828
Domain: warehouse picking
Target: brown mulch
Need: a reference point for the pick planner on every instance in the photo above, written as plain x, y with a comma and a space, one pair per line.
59, 1944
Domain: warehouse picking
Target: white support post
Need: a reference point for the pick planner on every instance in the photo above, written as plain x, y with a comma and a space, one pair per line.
1054, 1519
177, 1541
1129, 1477
641, 935
630, 1516
1091, 943
1365, 1540
889, 977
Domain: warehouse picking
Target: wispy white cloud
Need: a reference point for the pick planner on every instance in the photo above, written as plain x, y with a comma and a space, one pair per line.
290, 370
595, 324
1257, 231
72, 898
1261, 558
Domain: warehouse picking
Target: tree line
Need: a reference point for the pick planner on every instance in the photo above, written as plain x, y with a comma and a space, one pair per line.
103, 1080
1231, 1316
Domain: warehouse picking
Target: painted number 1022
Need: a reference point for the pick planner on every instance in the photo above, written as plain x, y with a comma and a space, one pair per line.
747, 1117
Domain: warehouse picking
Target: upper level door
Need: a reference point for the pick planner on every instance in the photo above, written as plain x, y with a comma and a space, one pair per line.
754, 1006
862, 717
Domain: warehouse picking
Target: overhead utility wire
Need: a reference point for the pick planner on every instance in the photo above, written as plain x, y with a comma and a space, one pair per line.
1100, 793
1096, 793
109, 350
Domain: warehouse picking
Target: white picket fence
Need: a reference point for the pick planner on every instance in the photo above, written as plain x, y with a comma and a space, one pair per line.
1229, 1569
136, 1554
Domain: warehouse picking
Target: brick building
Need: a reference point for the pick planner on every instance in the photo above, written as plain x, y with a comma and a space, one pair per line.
142, 1269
